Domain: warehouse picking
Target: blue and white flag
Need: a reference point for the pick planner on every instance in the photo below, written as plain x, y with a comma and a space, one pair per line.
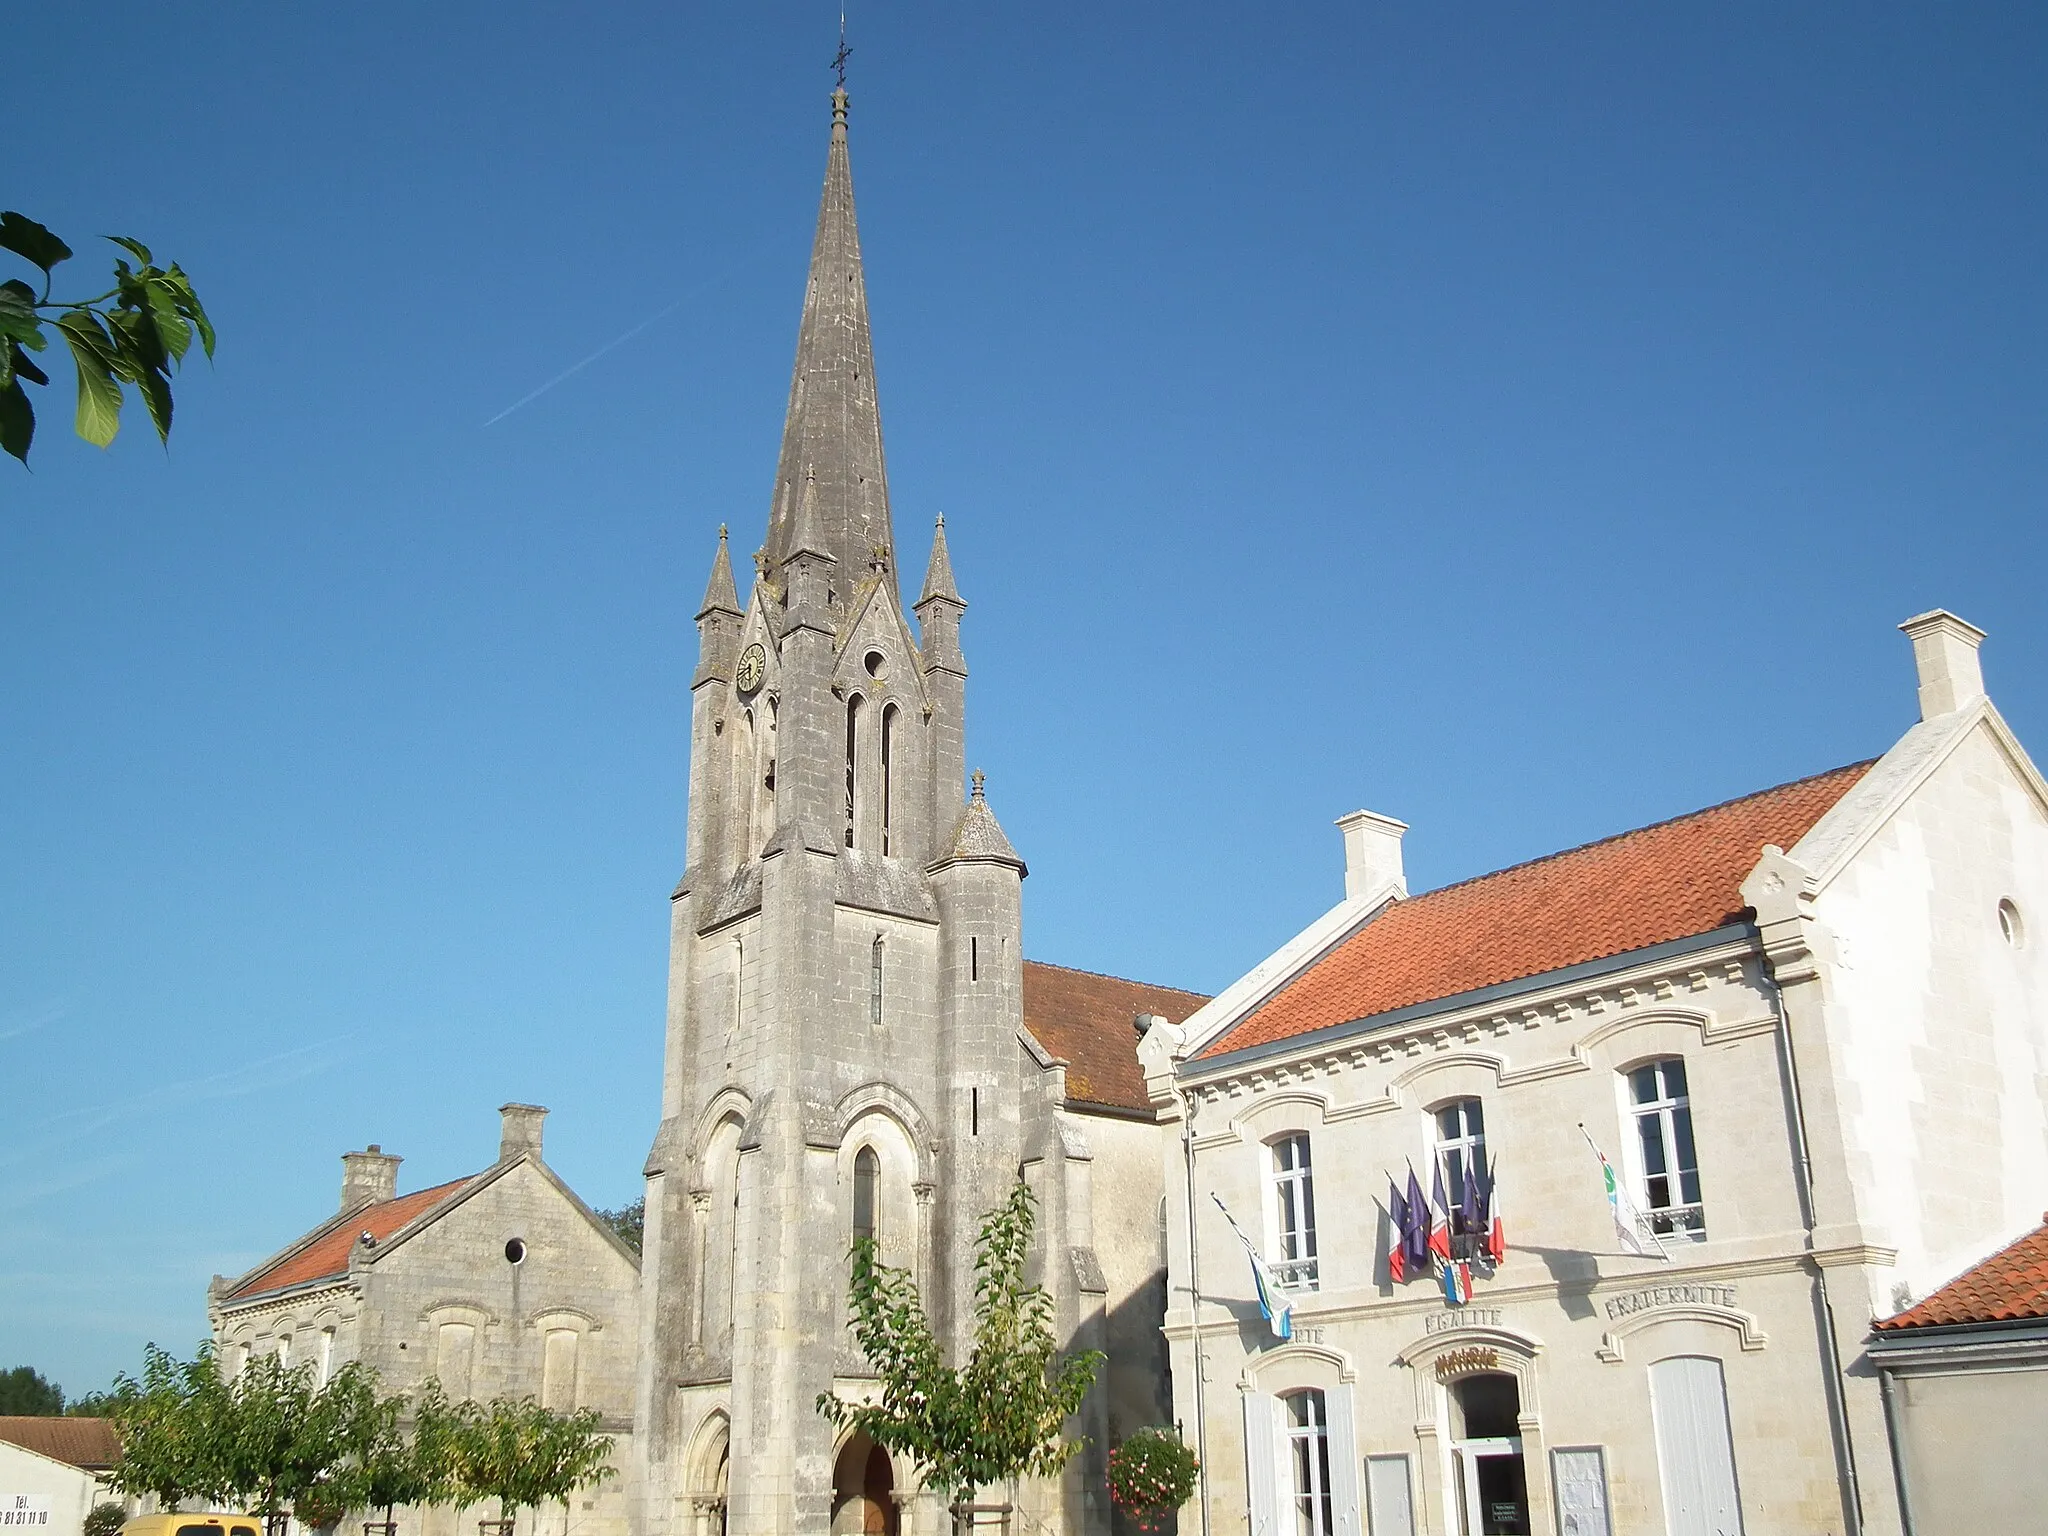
1274, 1305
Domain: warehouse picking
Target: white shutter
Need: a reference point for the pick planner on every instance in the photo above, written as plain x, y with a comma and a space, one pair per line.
1694, 1452
1343, 1463
1261, 1430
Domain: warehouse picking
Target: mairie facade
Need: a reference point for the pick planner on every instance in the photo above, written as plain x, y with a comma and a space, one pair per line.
1807, 1028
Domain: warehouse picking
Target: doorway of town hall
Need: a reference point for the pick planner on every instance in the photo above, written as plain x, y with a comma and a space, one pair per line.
1489, 1480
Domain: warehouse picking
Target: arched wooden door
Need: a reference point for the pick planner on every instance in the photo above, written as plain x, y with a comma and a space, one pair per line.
863, 1490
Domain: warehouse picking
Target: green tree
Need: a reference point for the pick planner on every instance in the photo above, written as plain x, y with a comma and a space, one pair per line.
135, 334
105, 1518
629, 1222
524, 1455
174, 1426
414, 1469
271, 1441
1000, 1415
24, 1391
294, 1448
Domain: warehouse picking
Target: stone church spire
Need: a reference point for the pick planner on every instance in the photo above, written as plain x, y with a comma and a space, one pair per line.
720, 596
833, 431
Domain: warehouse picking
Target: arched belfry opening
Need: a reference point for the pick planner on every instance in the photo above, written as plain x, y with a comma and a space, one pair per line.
863, 1490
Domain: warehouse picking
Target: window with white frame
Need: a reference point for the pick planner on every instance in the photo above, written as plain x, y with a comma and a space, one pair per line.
1306, 1425
1461, 1156
1294, 1212
1668, 1161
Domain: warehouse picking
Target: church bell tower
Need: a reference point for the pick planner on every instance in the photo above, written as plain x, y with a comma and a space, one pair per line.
845, 989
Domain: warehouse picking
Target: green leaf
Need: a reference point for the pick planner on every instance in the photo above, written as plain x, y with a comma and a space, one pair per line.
142, 350
99, 392
17, 420
30, 241
134, 247
156, 394
171, 327
190, 307
25, 367
18, 317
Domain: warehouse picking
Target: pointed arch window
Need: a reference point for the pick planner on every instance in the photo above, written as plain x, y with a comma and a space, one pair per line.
889, 715
853, 709
867, 1179
875, 982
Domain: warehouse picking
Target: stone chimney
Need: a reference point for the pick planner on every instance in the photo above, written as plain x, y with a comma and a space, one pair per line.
1945, 655
367, 1177
1372, 854
519, 1130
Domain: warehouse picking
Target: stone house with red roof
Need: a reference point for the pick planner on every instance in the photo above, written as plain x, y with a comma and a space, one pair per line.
1806, 1029
1964, 1373
501, 1284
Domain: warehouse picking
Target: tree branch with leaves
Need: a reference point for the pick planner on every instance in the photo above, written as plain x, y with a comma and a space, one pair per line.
135, 334
524, 1455
1000, 1414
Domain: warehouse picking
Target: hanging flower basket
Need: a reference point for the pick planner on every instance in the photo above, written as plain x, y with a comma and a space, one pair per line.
1151, 1475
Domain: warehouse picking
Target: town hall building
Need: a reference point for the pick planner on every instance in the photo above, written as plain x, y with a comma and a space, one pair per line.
1807, 1029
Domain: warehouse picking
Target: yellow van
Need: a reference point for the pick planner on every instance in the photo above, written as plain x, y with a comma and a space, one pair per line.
207, 1523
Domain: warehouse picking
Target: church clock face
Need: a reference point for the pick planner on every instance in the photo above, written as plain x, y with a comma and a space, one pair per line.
753, 666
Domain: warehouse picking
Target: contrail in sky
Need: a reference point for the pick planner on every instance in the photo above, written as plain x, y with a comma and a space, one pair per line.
620, 340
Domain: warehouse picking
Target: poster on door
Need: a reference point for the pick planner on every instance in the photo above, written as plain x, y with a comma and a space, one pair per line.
1579, 1473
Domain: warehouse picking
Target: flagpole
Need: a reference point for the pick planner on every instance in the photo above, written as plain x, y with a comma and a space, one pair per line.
1637, 1224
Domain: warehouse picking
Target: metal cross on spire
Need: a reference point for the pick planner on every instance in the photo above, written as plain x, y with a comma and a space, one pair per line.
839, 59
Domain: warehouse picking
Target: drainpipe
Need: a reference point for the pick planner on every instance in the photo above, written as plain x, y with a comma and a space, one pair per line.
1891, 1435
1831, 1359
1187, 1147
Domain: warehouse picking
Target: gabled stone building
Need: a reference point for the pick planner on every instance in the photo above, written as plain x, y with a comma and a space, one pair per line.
502, 1284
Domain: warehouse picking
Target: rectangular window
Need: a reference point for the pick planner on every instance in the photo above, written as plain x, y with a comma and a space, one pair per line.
1308, 1457
1294, 1212
1669, 1163
1461, 1155
558, 1370
454, 1351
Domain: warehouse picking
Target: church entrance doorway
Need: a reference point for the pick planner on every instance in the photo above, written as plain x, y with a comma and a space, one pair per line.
863, 1490
1488, 1476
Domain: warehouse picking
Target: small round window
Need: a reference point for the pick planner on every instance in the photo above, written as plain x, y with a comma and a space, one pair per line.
515, 1250
2010, 925
874, 663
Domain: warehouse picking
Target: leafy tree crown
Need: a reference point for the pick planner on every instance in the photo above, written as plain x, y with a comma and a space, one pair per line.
995, 1417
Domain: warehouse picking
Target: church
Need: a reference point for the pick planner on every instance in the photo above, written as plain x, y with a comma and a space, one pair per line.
1790, 1018
855, 1046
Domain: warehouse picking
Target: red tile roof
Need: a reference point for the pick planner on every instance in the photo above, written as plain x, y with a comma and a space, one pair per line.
1087, 1020
88, 1443
2010, 1285
1668, 881
326, 1256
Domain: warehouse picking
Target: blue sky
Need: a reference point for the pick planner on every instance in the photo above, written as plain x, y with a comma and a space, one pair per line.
1527, 422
